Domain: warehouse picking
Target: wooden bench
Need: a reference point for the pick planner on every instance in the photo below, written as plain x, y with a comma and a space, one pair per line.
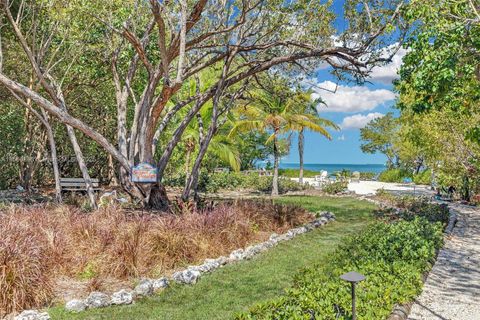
77, 184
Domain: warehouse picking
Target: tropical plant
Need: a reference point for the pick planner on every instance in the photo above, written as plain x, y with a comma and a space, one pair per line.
276, 112
380, 136
392, 256
304, 104
147, 51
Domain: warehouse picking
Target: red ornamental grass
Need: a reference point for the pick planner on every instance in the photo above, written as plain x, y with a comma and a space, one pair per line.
40, 243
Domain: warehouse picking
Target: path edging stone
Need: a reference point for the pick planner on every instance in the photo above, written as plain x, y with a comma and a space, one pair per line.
189, 276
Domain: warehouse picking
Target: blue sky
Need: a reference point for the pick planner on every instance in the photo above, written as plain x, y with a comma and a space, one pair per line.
351, 107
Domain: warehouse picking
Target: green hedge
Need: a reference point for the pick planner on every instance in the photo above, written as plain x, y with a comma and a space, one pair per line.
294, 173
393, 257
412, 207
213, 182
335, 187
397, 175
394, 175
424, 177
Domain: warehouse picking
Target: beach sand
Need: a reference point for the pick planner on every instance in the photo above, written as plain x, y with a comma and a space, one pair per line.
371, 187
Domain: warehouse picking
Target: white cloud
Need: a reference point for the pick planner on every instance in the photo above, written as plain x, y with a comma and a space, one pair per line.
387, 73
358, 121
341, 138
350, 99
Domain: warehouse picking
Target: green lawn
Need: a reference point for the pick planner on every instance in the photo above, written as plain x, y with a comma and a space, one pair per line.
294, 173
236, 287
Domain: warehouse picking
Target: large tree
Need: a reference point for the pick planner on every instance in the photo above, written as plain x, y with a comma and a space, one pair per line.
153, 48
380, 136
439, 88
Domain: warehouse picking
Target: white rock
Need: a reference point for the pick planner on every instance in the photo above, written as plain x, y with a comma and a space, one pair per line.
237, 255
221, 260
32, 315
254, 250
211, 264
270, 243
122, 200
160, 283
97, 300
187, 276
302, 230
273, 236
144, 288
207, 266
283, 237
309, 226
318, 223
289, 235
122, 297
75, 305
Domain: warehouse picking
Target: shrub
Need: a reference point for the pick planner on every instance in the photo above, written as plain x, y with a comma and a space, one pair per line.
335, 187
397, 175
252, 181
393, 258
367, 175
412, 207
213, 182
394, 175
424, 177
285, 185
294, 173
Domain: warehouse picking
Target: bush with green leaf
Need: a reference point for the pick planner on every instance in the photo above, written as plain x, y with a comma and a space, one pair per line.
367, 175
294, 173
393, 257
234, 181
398, 175
412, 207
335, 187
424, 177
394, 175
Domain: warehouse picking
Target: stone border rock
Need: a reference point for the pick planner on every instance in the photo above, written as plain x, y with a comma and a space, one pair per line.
401, 312
189, 276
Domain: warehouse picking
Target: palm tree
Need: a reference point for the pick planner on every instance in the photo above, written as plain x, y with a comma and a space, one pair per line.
220, 146
276, 114
308, 107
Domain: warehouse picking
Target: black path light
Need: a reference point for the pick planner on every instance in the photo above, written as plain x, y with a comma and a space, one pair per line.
353, 277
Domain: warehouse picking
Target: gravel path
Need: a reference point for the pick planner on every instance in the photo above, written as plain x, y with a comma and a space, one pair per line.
452, 290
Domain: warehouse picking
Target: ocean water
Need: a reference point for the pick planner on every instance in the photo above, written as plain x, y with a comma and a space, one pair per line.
331, 168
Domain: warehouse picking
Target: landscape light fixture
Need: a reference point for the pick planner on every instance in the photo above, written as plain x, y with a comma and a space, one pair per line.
353, 277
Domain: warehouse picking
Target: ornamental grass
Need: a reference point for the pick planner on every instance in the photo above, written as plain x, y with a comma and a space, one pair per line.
41, 243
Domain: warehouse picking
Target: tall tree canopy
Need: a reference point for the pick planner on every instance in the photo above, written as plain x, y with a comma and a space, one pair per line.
148, 50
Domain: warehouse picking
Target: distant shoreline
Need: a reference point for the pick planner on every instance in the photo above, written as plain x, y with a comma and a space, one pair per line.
333, 164
333, 167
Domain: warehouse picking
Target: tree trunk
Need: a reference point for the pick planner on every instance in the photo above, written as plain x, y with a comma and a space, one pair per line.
53, 153
158, 198
275, 166
34, 144
300, 154
192, 180
83, 166
112, 176
419, 166
187, 167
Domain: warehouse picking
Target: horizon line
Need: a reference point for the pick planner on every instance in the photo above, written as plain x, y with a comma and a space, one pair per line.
358, 164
